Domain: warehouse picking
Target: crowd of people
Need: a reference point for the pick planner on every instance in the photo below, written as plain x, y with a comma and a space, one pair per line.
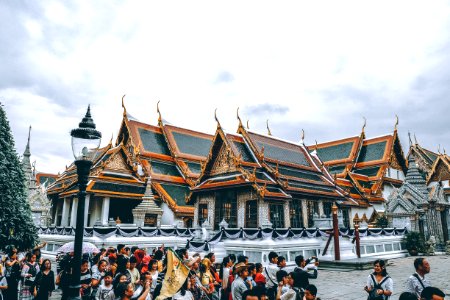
133, 273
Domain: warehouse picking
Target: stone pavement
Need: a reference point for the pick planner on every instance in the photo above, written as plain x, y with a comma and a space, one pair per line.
348, 285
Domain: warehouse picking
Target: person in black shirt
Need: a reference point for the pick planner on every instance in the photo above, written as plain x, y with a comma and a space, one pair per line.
302, 276
122, 259
85, 280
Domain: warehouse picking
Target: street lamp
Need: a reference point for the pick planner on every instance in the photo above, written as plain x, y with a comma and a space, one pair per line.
85, 142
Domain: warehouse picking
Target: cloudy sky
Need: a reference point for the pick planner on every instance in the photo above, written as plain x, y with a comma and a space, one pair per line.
316, 65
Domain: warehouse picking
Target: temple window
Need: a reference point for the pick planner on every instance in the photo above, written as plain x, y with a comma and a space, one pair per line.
295, 212
312, 209
202, 213
251, 214
327, 209
345, 218
276, 211
226, 208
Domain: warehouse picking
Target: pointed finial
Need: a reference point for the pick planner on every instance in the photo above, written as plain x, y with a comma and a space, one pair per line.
396, 123
248, 127
439, 148
215, 117
415, 139
239, 118
444, 152
364, 125
110, 141
123, 106
29, 133
268, 129
159, 112
316, 145
303, 136
410, 141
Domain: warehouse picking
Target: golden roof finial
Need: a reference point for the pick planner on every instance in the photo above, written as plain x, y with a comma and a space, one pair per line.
159, 112
248, 127
303, 136
123, 105
268, 129
396, 122
215, 117
316, 145
239, 118
364, 125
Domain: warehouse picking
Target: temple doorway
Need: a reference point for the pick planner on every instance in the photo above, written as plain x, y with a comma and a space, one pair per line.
251, 214
121, 210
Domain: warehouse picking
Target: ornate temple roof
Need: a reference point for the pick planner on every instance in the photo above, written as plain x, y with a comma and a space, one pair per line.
360, 164
440, 170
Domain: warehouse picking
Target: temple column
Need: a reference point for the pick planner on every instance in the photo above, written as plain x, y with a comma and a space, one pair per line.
263, 213
73, 216
211, 210
86, 209
241, 197
196, 212
321, 212
55, 216
105, 211
65, 212
287, 219
304, 213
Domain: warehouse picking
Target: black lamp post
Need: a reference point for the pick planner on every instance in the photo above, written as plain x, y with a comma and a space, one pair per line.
85, 142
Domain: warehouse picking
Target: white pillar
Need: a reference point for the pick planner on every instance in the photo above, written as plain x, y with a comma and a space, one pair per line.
86, 209
304, 213
321, 212
105, 211
73, 216
65, 212
287, 215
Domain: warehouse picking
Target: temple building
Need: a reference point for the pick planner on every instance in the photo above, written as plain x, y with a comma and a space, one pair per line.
36, 184
367, 168
143, 179
158, 175
254, 180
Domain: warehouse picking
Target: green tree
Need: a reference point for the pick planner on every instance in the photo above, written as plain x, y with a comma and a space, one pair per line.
16, 224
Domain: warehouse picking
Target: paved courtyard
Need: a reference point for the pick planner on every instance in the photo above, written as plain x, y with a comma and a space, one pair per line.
349, 285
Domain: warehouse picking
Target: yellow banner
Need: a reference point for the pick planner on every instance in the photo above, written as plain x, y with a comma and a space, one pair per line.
175, 277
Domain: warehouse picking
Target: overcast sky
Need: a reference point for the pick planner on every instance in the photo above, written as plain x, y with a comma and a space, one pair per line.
316, 65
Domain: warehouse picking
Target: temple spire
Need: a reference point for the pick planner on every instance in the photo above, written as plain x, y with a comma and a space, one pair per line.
268, 129
217, 119
364, 126
26, 163
123, 106
239, 118
414, 177
159, 112
396, 123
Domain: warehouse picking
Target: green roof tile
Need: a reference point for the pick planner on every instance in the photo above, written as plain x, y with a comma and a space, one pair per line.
165, 168
372, 152
373, 171
243, 150
336, 169
336, 152
194, 167
285, 155
192, 144
153, 141
177, 192
311, 186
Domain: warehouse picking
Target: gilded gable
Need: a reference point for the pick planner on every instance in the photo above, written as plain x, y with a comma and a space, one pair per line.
224, 162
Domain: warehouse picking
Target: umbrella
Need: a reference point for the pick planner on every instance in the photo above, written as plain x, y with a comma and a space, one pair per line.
87, 248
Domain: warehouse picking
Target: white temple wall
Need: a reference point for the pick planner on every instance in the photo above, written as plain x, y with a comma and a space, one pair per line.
387, 190
168, 217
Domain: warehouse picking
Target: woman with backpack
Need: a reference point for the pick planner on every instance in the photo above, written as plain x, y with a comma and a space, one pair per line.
379, 285
44, 284
29, 271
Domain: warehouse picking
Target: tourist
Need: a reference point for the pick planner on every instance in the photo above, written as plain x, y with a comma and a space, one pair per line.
154, 274
85, 280
379, 283
302, 274
133, 271
122, 258
260, 279
417, 281
286, 287
194, 288
105, 291
206, 278
184, 293
281, 262
310, 293
29, 272
408, 296
63, 278
142, 288
432, 293
123, 291
3, 284
224, 274
270, 272
12, 273
44, 283
251, 275
238, 287
159, 254
99, 275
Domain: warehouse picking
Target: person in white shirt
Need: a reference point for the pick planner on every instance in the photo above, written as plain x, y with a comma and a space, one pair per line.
106, 290
417, 281
270, 271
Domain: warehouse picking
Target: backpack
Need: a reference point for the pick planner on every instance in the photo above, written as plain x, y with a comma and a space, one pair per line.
376, 286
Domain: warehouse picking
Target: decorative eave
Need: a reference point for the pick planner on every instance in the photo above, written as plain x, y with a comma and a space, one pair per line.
178, 209
442, 163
